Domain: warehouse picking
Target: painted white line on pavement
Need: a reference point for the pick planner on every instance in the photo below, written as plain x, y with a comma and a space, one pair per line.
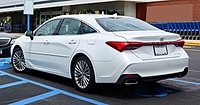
198, 71
192, 50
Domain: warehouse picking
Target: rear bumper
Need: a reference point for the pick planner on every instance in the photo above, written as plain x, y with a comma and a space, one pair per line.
127, 63
138, 79
157, 67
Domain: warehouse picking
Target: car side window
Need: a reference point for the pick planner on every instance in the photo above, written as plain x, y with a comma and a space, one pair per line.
85, 29
70, 27
48, 28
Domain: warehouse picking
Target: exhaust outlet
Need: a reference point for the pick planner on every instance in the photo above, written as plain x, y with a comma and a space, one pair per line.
184, 73
131, 82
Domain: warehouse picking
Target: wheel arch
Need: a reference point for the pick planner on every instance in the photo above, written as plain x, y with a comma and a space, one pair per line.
16, 46
77, 56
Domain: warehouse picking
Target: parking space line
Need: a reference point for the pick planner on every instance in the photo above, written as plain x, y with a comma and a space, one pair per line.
12, 84
197, 71
183, 81
57, 90
194, 50
82, 98
2, 74
36, 98
17, 77
69, 94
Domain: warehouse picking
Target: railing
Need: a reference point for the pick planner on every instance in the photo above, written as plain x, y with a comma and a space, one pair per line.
187, 30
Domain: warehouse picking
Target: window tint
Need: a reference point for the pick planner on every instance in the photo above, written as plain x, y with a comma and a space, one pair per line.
85, 29
70, 27
48, 28
113, 24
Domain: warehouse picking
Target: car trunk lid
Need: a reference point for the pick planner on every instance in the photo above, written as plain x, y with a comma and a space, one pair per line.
153, 44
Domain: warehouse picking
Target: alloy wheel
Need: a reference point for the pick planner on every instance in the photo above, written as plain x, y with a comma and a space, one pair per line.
82, 74
18, 61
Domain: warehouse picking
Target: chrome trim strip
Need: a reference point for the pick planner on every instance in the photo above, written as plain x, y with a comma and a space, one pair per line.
56, 55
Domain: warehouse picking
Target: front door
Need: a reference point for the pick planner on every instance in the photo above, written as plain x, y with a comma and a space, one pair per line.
39, 47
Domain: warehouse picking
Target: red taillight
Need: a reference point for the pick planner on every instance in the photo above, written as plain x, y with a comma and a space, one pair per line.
120, 46
180, 43
130, 75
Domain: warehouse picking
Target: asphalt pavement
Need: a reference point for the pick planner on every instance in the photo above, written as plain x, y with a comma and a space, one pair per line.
38, 88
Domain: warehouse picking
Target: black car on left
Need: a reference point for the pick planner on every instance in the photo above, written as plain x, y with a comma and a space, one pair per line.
6, 41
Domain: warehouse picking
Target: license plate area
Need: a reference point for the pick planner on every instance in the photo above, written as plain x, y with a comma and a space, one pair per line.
160, 50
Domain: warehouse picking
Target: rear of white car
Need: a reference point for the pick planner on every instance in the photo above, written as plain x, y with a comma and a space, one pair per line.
144, 55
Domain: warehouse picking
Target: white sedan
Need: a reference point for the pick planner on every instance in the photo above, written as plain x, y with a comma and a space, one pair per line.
94, 49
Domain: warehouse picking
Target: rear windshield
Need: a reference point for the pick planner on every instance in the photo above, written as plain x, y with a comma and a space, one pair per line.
113, 24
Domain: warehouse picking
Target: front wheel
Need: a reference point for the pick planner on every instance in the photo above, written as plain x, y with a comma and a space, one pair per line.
83, 74
18, 60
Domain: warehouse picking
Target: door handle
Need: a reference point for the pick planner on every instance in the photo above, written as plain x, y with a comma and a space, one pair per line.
91, 43
46, 42
72, 42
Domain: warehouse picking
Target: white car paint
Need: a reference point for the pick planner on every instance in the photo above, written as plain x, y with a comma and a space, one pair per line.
54, 54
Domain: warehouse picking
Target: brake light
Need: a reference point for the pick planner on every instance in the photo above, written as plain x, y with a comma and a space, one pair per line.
130, 75
120, 46
180, 43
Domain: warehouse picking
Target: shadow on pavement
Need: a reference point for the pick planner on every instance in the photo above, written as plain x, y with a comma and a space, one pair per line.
115, 91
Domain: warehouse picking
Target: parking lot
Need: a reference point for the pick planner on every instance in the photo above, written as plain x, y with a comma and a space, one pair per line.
37, 88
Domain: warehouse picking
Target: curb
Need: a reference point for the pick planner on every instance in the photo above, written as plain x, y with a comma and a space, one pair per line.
192, 43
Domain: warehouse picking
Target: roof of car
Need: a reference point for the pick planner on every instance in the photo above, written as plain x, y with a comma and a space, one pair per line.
89, 19
87, 16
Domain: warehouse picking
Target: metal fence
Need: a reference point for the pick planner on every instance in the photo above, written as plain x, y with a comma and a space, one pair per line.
187, 30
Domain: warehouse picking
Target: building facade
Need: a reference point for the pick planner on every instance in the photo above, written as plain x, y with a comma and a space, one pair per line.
11, 11
169, 11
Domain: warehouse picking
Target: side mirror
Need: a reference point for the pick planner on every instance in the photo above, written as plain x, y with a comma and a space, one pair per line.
29, 34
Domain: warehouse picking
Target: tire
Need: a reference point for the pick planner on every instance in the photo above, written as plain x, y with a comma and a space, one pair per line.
83, 74
18, 60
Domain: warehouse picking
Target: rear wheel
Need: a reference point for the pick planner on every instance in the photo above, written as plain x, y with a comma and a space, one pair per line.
83, 74
18, 60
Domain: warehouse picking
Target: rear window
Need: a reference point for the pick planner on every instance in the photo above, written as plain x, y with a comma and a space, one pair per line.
113, 24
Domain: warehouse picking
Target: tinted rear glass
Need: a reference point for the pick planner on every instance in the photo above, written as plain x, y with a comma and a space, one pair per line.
113, 24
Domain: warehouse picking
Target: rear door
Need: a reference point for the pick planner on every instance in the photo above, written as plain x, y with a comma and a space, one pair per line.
63, 45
